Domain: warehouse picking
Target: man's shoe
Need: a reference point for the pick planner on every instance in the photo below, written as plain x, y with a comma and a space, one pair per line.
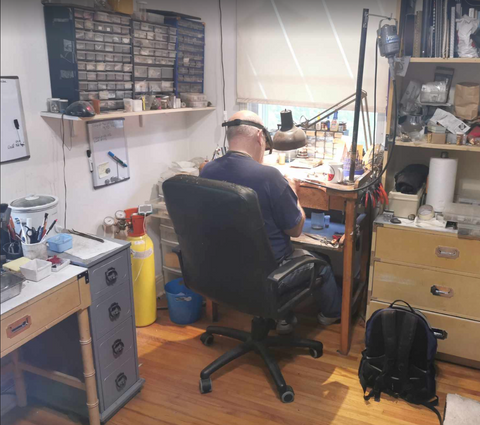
285, 328
326, 321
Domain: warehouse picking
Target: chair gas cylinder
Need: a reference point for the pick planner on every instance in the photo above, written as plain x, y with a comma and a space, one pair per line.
143, 268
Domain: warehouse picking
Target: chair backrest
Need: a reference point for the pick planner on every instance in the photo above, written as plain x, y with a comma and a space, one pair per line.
226, 253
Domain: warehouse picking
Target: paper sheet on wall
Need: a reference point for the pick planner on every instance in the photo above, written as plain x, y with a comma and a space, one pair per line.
88, 248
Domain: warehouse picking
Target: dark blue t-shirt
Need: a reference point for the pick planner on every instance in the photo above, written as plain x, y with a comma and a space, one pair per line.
278, 201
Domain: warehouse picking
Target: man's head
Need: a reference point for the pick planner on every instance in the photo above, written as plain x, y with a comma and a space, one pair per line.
247, 138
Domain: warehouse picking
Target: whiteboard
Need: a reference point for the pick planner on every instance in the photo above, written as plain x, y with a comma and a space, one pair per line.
14, 142
108, 136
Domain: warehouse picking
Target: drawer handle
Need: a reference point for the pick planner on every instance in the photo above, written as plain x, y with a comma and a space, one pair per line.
441, 291
114, 311
447, 252
117, 348
19, 326
111, 276
440, 333
121, 381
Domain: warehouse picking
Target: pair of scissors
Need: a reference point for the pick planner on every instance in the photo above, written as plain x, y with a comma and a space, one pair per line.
31, 234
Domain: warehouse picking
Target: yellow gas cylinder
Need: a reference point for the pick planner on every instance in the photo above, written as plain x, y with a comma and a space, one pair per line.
143, 270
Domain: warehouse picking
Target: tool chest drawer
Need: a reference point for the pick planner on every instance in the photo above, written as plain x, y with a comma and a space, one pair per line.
421, 248
462, 340
34, 318
119, 381
114, 348
109, 274
107, 314
437, 291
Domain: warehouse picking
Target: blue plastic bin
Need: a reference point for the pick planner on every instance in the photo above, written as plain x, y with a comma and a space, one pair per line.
184, 305
60, 242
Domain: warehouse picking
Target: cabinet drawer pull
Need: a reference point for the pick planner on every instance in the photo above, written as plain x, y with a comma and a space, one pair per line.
440, 334
114, 311
121, 381
447, 252
117, 348
19, 326
441, 291
111, 276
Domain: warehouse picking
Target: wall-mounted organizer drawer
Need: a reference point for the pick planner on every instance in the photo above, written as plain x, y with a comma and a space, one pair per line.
116, 347
99, 37
187, 44
169, 258
110, 312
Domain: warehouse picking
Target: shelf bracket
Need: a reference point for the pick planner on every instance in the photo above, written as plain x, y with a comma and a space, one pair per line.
140, 120
72, 129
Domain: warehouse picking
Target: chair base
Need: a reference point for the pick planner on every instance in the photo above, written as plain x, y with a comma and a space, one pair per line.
259, 341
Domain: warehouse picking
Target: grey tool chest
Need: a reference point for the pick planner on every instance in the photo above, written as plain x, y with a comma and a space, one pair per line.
112, 322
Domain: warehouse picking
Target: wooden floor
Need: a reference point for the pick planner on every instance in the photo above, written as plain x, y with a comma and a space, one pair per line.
327, 390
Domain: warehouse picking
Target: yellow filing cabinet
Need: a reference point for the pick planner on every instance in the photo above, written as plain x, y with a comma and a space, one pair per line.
436, 272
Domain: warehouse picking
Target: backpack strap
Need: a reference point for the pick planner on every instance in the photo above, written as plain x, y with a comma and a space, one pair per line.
431, 405
389, 338
405, 341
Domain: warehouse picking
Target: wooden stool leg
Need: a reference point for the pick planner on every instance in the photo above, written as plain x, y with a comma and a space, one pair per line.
88, 367
20, 389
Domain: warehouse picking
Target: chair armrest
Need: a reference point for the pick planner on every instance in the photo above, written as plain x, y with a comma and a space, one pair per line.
283, 271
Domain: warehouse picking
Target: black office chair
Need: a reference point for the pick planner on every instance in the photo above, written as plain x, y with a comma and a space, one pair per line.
226, 256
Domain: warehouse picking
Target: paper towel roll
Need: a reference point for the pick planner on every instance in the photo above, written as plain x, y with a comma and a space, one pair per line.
441, 182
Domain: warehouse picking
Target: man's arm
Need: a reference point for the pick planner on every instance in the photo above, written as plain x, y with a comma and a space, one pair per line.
297, 230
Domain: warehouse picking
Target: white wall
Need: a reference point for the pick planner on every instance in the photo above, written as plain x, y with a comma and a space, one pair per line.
163, 139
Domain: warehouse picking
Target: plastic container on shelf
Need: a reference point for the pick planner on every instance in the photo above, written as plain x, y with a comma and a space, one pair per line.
462, 213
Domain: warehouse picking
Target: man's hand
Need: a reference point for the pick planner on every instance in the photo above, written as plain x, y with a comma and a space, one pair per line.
294, 184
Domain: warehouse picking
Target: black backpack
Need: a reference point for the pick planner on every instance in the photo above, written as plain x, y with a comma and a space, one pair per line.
399, 356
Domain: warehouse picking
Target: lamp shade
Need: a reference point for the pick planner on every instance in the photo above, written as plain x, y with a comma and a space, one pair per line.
288, 137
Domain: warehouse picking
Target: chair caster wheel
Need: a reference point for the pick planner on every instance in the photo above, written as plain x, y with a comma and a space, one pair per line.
205, 386
207, 339
288, 395
315, 353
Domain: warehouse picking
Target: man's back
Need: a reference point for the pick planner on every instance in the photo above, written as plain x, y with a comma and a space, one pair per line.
277, 200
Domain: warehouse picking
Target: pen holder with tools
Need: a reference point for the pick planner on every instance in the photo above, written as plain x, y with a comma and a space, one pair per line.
35, 250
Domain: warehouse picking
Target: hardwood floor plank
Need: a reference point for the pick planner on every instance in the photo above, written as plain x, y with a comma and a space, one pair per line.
327, 390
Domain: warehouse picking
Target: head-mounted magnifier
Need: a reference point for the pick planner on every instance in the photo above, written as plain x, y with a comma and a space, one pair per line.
268, 138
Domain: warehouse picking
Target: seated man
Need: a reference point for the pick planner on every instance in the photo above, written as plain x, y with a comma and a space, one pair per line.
282, 213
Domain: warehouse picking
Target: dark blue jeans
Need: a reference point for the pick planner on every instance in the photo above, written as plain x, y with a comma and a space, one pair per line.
329, 294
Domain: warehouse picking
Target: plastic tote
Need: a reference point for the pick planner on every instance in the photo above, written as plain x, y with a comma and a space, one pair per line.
184, 305
60, 243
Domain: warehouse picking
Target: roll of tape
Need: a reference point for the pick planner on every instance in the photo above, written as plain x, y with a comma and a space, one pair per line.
184, 105
425, 213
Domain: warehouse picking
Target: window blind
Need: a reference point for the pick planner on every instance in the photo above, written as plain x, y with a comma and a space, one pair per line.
305, 52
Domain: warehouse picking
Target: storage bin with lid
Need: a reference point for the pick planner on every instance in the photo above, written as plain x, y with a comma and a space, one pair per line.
403, 204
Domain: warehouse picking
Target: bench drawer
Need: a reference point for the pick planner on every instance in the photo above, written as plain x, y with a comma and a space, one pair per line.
108, 314
461, 341
393, 282
28, 322
109, 274
119, 381
116, 347
419, 248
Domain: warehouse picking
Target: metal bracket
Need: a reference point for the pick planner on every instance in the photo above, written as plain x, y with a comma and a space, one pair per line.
85, 275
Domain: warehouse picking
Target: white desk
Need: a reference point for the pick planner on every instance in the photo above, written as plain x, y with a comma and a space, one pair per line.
40, 306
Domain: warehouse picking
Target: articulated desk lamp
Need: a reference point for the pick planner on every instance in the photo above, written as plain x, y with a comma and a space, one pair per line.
290, 137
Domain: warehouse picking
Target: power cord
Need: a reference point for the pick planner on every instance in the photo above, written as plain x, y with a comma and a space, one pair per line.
62, 128
223, 71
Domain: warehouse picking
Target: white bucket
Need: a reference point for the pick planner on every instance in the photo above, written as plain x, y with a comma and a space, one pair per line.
34, 207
